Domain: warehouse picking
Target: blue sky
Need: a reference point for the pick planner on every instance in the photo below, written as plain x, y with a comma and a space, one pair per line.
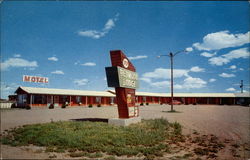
69, 42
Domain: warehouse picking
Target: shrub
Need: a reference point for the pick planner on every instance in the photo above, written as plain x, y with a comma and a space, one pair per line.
109, 158
194, 103
64, 105
27, 107
90, 105
161, 103
147, 103
51, 106
99, 105
141, 104
13, 105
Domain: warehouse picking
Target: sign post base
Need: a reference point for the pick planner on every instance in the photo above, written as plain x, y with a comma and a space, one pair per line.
124, 122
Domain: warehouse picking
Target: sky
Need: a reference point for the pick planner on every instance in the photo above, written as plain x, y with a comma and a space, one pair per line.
69, 42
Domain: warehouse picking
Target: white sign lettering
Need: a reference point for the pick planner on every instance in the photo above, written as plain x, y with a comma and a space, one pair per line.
127, 78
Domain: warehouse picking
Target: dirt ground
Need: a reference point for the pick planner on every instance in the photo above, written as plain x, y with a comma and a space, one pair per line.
230, 124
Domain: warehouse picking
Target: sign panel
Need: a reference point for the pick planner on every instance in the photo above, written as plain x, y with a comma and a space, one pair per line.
121, 77
35, 79
133, 111
127, 78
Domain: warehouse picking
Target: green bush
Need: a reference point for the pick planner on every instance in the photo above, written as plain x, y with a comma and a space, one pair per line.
13, 105
51, 106
90, 105
147, 103
99, 105
64, 105
141, 104
27, 107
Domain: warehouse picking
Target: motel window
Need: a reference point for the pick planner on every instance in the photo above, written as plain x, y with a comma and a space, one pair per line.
49, 99
22, 98
64, 99
78, 99
39, 99
98, 99
112, 100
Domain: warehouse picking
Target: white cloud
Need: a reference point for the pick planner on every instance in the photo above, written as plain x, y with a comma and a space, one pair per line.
53, 58
161, 73
208, 55
238, 53
98, 34
7, 89
81, 82
226, 58
241, 69
189, 49
231, 89
137, 57
160, 84
212, 80
222, 39
17, 55
218, 61
191, 82
109, 24
226, 75
244, 91
31, 69
148, 80
17, 62
178, 86
89, 64
233, 67
197, 69
57, 72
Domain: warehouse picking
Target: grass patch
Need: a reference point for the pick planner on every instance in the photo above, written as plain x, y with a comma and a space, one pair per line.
91, 139
109, 158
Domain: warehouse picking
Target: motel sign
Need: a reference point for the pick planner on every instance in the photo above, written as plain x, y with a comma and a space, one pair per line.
35, 79
122, 75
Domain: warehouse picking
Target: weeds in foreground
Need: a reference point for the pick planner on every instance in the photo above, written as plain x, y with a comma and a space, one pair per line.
91, 139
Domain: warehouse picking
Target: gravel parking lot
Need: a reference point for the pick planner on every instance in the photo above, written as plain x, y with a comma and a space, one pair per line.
232, 122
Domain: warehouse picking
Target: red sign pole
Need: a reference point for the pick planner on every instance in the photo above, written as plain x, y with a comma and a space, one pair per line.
125, 97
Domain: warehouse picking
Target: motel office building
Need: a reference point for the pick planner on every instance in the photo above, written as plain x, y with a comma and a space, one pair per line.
45, 96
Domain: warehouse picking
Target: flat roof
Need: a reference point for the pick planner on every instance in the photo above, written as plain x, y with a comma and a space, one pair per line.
53, 91
246, 94
111, 93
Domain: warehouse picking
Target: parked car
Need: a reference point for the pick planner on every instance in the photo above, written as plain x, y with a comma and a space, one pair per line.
175, 102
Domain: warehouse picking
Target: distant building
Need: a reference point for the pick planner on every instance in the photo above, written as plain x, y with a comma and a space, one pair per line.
44, 96
12, 98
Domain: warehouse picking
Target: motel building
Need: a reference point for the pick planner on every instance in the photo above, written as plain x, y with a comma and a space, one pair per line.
35, 97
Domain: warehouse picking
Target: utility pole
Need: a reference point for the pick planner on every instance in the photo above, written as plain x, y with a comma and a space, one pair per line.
171, 55
172, 85
241, 86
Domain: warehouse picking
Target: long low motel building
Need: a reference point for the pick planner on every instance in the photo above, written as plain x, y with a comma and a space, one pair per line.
45, 96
